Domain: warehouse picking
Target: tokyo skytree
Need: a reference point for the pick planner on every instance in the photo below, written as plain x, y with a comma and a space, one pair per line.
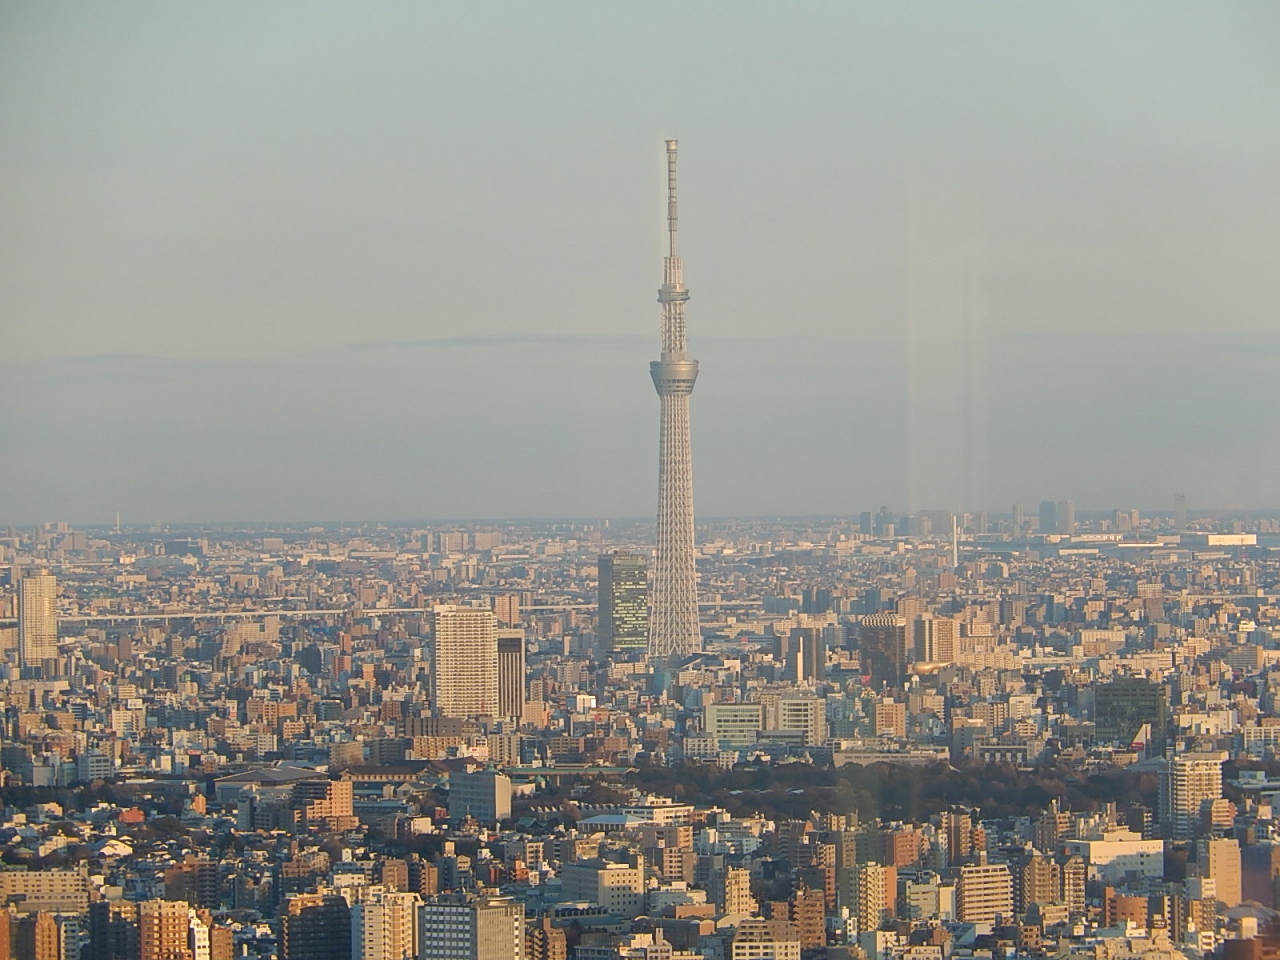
673, 593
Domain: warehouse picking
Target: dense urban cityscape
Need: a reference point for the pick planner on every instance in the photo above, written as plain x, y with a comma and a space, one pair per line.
448, 741
318, 261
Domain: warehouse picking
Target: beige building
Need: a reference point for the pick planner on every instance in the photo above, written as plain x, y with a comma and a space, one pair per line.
384, 926
1219, 860
37, 619
465, 671
619, 887
735, 724
985, 893
164, 928
487, 928
52, 891
765, 940
1187, 782
934, 638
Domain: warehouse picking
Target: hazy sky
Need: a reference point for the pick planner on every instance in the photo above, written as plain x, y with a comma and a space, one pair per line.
399, 260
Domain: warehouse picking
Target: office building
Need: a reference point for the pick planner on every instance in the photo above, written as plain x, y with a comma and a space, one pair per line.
384, 926
882, 647
734, 724
485, 796
623, 595
673, 602
1066, 516
465, 672
1048, 516
618, 887
808, 655
511, 674
1124, 705
315, 926
806, 716
37, 620
50, 891
488, 928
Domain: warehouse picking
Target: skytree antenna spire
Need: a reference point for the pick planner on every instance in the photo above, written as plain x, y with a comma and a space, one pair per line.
673, 594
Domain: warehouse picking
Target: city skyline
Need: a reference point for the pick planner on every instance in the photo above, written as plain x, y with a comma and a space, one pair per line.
988, 271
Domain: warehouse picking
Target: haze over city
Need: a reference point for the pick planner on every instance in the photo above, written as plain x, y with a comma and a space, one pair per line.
398, 261
359, 365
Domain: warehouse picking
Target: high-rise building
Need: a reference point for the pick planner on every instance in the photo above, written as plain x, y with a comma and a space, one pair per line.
315, 926
36, 937
507, 609
1123, 706
1180, 511
163, 927
37, 619
985, 893
1036, 879
546, 942
113, 930
1219, 860
808, 655
1018, 519
731, 888
384, 926
511, 674
934, 638
1186, 783
673, 601
882, 646
623, 591
871, 901
1048, 517
1066, 517
465, 672
488, 928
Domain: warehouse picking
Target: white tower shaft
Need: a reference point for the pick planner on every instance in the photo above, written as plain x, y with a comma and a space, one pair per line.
673, 595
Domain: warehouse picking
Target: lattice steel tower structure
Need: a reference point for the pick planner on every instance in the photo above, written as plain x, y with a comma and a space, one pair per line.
673, 595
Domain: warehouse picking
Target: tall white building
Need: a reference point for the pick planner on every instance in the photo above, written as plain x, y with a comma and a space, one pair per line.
384, 926
37, 619
465, 672
1186, 782
673, 597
